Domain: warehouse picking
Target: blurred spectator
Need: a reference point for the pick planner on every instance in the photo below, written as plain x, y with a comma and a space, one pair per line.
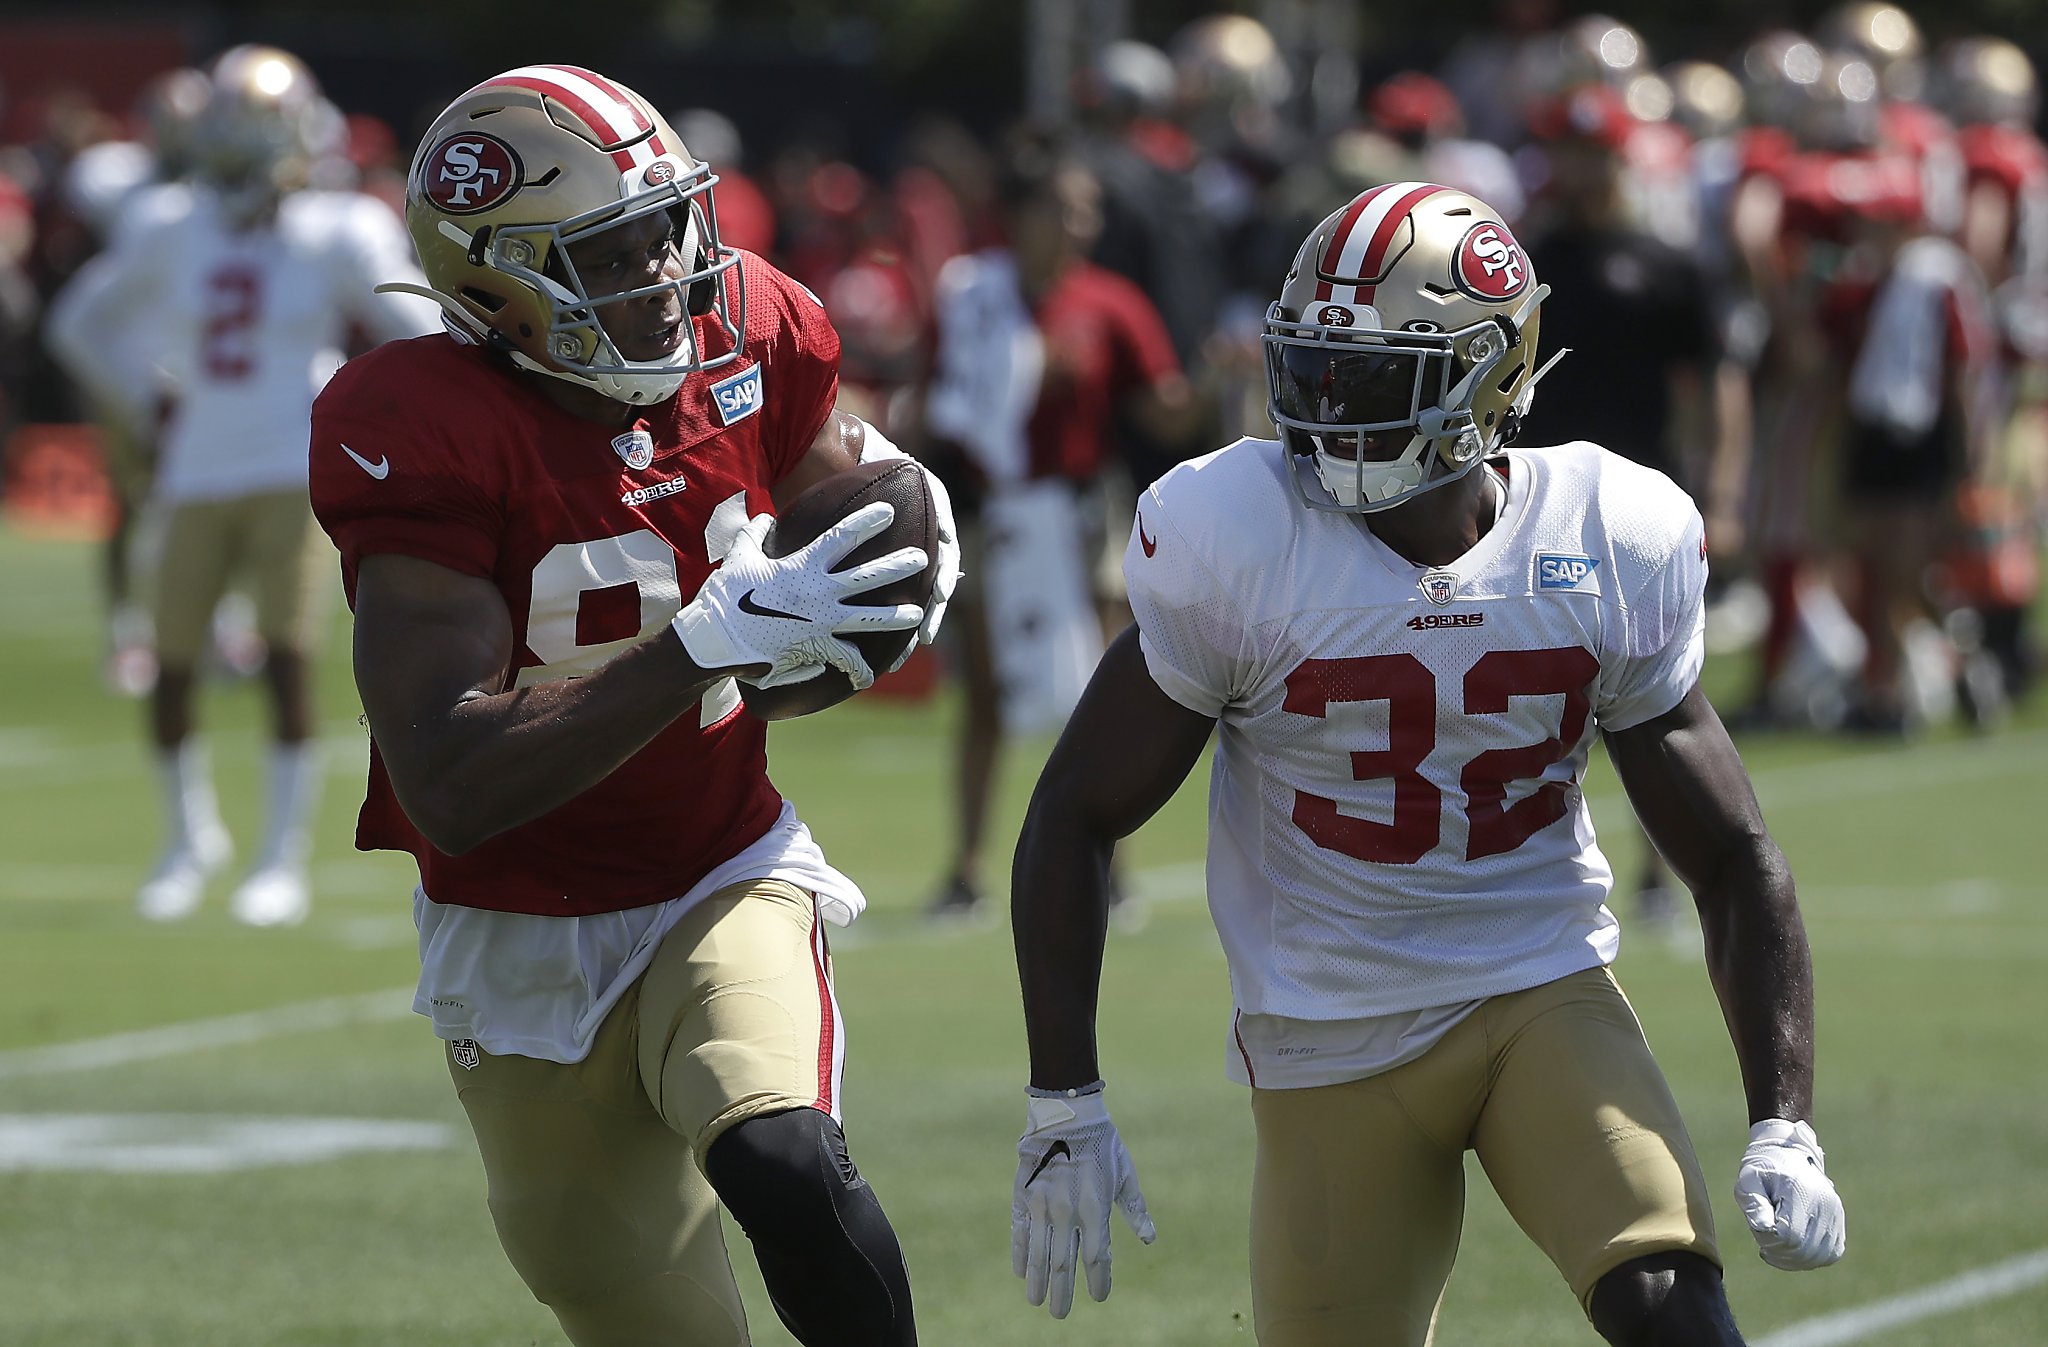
1484, 69
745, 218
1987, 88
1644, 364
1038, 349
236, 303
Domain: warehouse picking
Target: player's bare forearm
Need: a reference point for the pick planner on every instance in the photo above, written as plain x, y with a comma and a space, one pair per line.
1696, 803
1125, 751
469, 758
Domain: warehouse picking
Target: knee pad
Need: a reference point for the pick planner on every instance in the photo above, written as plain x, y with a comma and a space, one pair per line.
781, 1173
1664, 1300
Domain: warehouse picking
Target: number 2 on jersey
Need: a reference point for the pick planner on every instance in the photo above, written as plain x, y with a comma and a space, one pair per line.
1408, 688
234, 305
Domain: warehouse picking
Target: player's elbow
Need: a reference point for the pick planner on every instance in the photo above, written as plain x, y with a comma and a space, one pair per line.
449, 819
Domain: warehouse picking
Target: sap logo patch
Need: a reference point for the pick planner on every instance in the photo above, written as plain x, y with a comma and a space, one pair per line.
738, 396
1560, 570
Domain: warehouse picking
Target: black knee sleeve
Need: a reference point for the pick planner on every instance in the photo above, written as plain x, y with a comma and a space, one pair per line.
1664, 1300
827, 1253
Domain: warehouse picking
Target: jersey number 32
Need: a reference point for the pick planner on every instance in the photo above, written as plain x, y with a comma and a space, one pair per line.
1409, 689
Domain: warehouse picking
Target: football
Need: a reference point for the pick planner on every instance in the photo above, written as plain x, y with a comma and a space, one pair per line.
900, 482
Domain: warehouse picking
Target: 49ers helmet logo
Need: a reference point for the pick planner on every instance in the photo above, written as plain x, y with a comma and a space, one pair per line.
470, 172
1490, 265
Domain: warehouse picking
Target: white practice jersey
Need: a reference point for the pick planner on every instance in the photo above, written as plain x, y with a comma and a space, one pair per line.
1396, 821
240, 328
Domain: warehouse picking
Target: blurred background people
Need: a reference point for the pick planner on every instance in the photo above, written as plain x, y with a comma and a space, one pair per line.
206, 330
1038, 352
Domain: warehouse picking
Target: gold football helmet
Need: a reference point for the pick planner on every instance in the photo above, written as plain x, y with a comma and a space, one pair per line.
1402, 349
1986, 81
1886, 38
539, 159
1705, 99
256, 136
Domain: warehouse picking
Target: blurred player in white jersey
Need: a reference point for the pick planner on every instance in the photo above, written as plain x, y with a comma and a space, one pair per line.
1410, 635
120, 188
232, 305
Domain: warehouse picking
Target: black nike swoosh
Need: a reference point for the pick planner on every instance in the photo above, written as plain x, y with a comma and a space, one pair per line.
747, 605
1057, 1148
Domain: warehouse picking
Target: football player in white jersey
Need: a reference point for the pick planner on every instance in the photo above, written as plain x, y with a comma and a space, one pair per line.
1405, 636
232, 305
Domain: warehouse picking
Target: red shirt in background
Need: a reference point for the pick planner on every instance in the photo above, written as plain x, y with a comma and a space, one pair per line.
1103, 341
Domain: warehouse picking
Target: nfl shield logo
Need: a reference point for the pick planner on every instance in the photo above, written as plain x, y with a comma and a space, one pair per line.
1439, 587
636, 447
466, 1053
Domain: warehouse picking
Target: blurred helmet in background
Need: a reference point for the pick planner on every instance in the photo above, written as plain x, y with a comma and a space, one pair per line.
1128, 80
1986, 81
1844, 112
1230, 77
1705, 99
1779, 72
262, 126
1414, 107
1886, 39
169, 108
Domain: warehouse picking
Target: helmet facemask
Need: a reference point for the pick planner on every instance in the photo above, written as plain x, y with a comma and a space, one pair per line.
1341, 398
578, 347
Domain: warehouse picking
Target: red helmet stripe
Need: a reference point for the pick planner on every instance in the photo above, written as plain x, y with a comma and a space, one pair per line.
1334, 249
610, 90
608, 118
1383, 237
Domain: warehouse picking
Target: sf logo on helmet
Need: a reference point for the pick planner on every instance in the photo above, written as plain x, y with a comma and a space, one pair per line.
1490, 263
471, 172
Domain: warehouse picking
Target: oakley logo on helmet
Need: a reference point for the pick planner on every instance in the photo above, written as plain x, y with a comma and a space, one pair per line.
471, 172
1490, 264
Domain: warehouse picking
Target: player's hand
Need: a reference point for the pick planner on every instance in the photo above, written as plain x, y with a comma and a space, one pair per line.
782, 618
1071, 1168
948, 578
1787, 1198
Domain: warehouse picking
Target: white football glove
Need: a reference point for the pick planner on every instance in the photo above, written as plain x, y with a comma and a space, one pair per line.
1071, 1168
948, 578
876, 447
1786, 1196
789, 613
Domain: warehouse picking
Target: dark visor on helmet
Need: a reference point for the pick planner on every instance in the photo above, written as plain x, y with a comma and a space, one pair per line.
1355, 387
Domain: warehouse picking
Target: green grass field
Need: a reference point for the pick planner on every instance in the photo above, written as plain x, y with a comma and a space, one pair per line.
1920, 870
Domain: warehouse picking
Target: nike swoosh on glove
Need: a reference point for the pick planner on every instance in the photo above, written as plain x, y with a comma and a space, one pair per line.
1787, 1198
789, 613
1072, 1167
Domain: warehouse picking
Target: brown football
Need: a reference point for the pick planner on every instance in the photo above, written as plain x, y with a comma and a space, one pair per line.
900, 482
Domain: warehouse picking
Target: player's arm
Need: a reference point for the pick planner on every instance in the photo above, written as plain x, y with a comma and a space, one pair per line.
1124, 752
470, 758
467, 759
1696, 803
1693, 795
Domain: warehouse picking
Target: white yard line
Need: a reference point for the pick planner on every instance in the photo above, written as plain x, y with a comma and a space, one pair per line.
170, 1040
1995, 1282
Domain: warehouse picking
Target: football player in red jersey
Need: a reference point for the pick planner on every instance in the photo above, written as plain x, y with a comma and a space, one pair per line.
551, 524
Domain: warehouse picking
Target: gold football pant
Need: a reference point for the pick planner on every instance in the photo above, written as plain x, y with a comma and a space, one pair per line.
269, 539
1359, 1191
594, 1168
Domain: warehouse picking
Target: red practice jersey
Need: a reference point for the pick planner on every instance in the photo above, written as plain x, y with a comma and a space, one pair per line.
442, 451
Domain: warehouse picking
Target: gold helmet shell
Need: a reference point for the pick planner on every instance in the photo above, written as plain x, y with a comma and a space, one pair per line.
1402, 349
530, 162
1986, 81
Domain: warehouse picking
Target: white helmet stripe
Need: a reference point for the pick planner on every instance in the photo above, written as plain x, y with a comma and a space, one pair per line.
1351, 257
